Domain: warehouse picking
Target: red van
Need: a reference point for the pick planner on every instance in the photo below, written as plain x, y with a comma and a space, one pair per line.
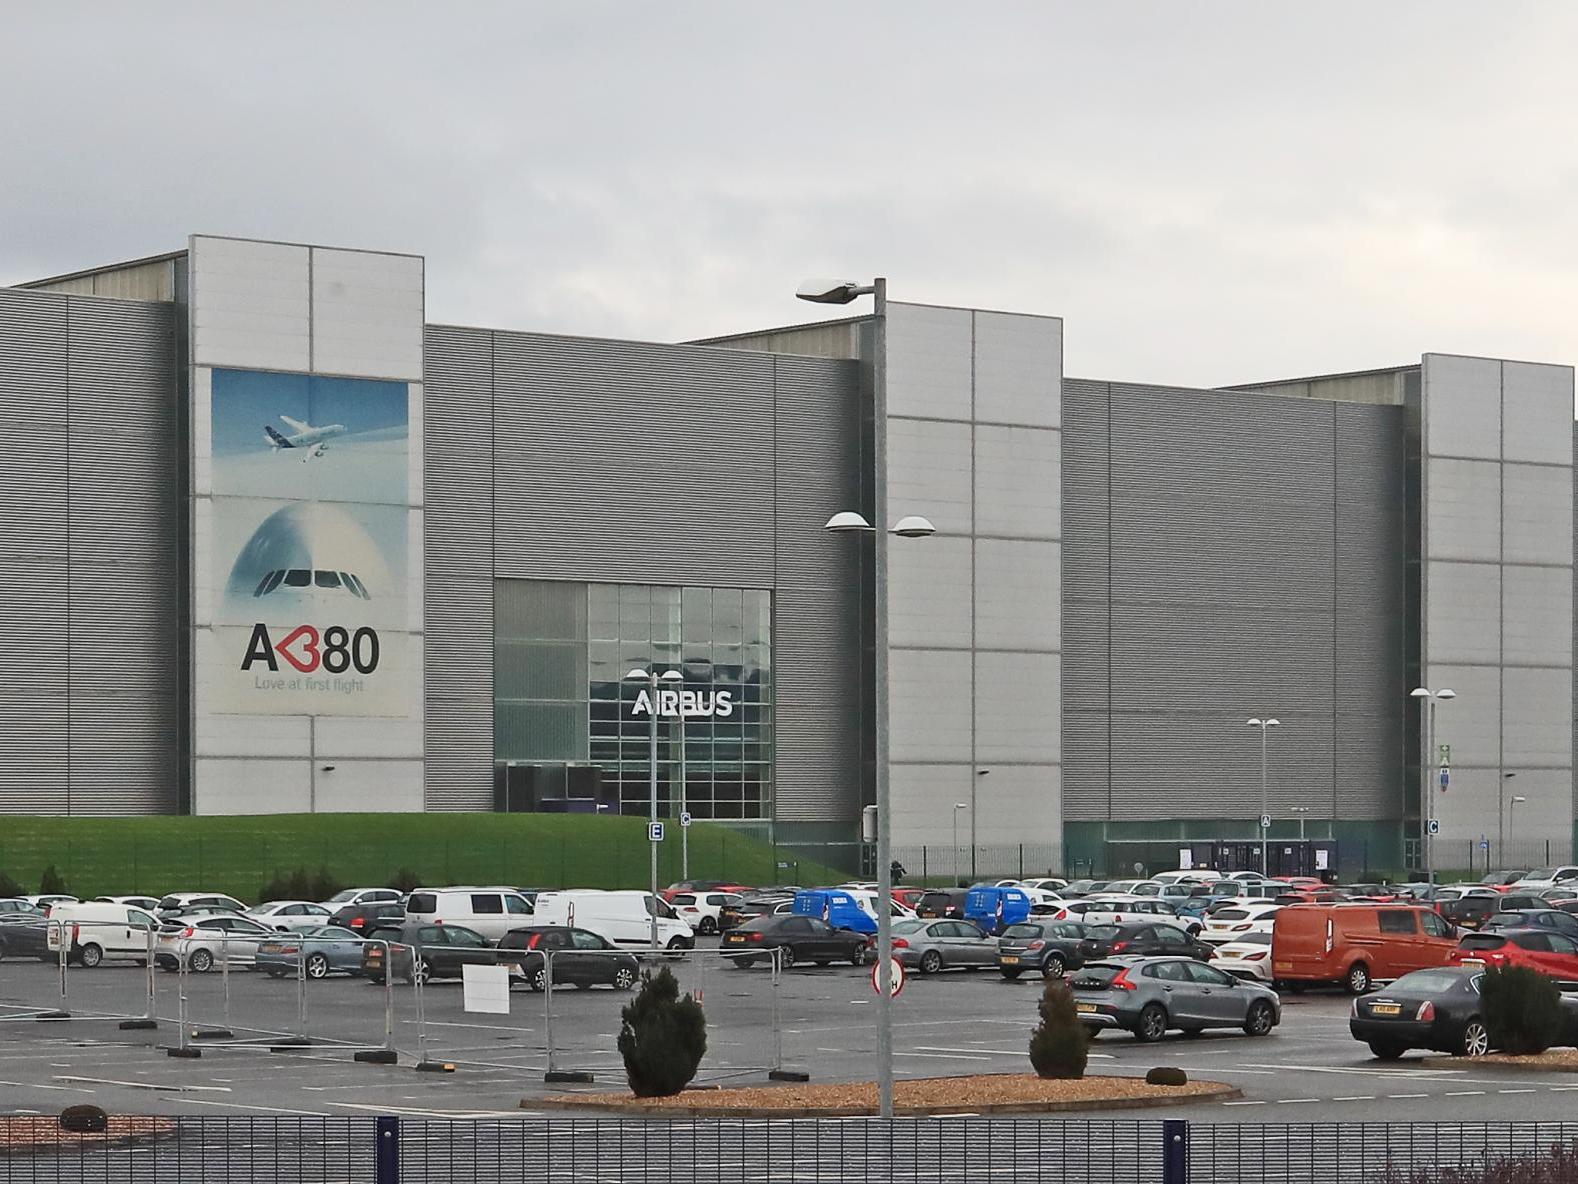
1357, 944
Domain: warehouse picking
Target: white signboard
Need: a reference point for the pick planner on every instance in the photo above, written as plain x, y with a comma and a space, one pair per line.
486, 989
1185, 859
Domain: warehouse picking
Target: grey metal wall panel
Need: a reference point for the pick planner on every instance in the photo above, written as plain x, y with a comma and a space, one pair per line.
1225, 556
89, 666
457, 427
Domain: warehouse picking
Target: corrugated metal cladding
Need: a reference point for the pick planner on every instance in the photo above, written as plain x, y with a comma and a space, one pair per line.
580, 459
89, 655
1230, 555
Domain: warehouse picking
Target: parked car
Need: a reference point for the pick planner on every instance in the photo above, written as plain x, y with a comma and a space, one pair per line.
320, 951
148, 904
730, 916
25, 937
1247, 956
1543, 918
838, 907
1051, 947
580, 957
1104, 910
1356, 944
942, 902
930, 946
290, 914
1547, 877
93, 932
363, 919
44, 900
702, 910
704, 886
203, 942
1553, 954
1045, 883
798, 939
1137, 938
1084, 887
16, 906
492, 912
1152, 996
624, 918
177, 902
1229, 924
350, 896
994, 909
1437, 1009
1503, 880
907, 896
1471, 912
420, 949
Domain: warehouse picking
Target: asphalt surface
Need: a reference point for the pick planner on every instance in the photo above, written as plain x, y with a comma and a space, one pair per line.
959, 1022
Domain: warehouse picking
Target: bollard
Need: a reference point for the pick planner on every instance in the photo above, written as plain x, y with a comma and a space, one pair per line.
386, 1166
150, 1020
1175, 1151
385, 1055
553, 1073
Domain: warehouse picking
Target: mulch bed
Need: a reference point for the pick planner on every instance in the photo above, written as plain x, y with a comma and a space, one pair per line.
1554, 1060
23, 1135
994, 1093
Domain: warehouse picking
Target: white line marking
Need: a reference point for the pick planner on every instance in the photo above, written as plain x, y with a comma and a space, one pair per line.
1466, 1093
1296, 1101
1356, 1098
1415, 1095
239, 1106
1515, 1091
940, 1056
207, 1089
1243, 1103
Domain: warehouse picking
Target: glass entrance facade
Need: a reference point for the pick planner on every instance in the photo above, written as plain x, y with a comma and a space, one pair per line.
573, 733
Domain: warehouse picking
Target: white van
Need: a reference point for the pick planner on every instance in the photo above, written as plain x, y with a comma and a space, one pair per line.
96, 931
624, 918
492, 912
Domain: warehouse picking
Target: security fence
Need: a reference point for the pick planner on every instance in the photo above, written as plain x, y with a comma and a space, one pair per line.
392, 1150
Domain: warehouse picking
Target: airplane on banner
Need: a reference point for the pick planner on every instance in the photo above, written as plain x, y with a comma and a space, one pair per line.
311, 440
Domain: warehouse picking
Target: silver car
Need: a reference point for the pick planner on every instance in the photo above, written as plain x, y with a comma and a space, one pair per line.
935, 945
204, 941
1152, 996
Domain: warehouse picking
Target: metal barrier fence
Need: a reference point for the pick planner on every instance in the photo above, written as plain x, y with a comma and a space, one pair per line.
697, 1151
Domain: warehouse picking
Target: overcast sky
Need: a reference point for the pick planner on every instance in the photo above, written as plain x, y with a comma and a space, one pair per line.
1205, 192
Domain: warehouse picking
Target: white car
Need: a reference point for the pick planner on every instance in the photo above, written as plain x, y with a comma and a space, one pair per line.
1247, 956
1197, 875
866, 898
700, 910
1042, 899
204, 942
1548, 877
1046, 883
352, 896
96, 931
289, 915
1229, 924
1110, 910
44, 900
178, 902
147, 904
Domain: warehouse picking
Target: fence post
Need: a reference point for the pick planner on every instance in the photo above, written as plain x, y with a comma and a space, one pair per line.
386, 1164
149, 1020
1175, 1151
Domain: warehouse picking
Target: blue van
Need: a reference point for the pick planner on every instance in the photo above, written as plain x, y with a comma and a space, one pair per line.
995, 909
835, 906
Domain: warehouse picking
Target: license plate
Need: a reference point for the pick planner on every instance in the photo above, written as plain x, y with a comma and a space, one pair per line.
1009, 959
1385, 1009
375, 951
268, 948
1283, 965
734, 941
1085, 1008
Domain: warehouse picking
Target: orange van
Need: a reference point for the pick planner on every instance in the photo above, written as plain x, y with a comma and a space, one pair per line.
1356, 944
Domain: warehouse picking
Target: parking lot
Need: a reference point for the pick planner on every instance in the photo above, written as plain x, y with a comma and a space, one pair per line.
949, 1024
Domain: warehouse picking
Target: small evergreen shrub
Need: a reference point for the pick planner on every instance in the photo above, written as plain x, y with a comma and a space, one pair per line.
300, 885
662, 1037
1059, 1046
52, 882
84, 1119
405, 880
1523, 1010
10, 887
1166, 1075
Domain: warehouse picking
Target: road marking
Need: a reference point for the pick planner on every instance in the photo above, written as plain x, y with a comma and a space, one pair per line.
1514, 1091
1559, 1088
240, 1106
1243, 1103
1415, 1095
1296, 1101
209, 1089
994, 1051
940, 1056
1467, 1093
1356, 1098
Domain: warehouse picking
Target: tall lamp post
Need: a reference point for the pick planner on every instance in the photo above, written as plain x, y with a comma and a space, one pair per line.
1427, 767
1501, 819
974, 781
654, 682
1512, 808
1264, 725
957, 806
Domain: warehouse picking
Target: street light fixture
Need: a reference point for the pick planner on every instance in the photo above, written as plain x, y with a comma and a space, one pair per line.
1512, 808
1301, 811
654, 682
1501, 818
1265, 810
957, 806
1427, 796
974, 781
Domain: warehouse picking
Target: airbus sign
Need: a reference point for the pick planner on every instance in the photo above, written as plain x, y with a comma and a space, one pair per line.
686, 704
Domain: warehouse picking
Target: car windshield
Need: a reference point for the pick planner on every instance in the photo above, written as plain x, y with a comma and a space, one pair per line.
1541, 873
342, 897
1231, 914
1428, 982
1103, 932
1021, 931
1097, 974
1481, 941
910, 926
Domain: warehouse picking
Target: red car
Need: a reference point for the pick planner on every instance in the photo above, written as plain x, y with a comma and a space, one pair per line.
703, 886
1554, 955
908, 897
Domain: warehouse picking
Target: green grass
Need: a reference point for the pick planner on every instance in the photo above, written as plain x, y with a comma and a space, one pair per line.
114, 856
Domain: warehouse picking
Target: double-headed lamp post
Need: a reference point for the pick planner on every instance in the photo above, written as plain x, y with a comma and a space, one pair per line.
1264, 725
654, 682
1427, 767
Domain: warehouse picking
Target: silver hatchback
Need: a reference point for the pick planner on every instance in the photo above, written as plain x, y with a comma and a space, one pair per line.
1152, 996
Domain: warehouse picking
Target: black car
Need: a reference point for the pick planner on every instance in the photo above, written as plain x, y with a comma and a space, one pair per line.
1140, 939
431, 951
798, 939
1437, 1009
1052, 947
732, 916
942, 902
26, 939
1535, 918
362, 919
1470, 912
580, 957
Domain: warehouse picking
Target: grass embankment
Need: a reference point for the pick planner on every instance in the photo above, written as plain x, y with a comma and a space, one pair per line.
110, 856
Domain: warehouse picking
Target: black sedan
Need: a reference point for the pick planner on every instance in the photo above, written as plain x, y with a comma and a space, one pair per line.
797, 939
26, 939
580, 957
1140, 939
362, 919
425, 951
1436, 1009
1052, 947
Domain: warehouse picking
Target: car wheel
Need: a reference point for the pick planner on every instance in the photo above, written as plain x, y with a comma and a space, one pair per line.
707, 927
1382, 1051
743, 963
1009, 972
785, 957
537, 980
1153, 1024
1054, 966
1260, 1019
1358, 980
860, 954
624, 978
201, 961
376, 979
1475, 1040
90, 956
931, 962
317, 966
678, 945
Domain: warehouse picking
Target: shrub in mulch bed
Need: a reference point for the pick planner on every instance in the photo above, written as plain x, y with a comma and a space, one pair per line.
26, 1135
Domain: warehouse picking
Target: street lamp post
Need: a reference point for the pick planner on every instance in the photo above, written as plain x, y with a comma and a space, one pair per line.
957, 806
1427, 767
1512, 807
1501, 817
1265, 808
654, 682
974, 781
